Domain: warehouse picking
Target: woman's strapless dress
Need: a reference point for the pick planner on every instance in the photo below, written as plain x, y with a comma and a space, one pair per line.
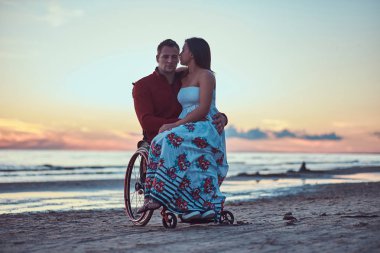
187, 164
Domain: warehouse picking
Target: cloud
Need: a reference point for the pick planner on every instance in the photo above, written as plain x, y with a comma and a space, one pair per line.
22, 137
377, 134
321, 137
253, 134
285, 134
32, 144
17, 134
88, 140
257, 134
312, 137
58, 16
15, 125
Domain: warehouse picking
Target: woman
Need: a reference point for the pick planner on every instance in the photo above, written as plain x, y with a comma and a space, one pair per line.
187, 159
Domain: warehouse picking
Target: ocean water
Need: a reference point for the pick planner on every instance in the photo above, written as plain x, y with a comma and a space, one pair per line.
100, 177
45, 166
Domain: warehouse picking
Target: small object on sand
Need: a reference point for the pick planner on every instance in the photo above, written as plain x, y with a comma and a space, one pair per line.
290, 219
289, 216
303, 168
242, 222
290, 222
323, 214
361, 224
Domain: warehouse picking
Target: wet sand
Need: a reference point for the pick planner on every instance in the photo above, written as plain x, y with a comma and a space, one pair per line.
119, 183
328, 218
311, 173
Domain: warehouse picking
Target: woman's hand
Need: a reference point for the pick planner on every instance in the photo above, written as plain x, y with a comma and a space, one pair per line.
180, 69
220, 121
166, 127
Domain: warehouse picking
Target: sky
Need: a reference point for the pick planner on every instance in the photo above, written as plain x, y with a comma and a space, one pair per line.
292, 76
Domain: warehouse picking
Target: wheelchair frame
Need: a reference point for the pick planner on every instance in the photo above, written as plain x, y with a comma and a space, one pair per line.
134, 180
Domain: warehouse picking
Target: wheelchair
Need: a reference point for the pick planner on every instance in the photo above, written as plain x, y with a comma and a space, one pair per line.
134, 195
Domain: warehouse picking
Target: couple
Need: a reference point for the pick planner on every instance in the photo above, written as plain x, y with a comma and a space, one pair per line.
187, 157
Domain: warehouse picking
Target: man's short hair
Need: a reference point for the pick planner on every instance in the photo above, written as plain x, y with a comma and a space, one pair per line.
167, 43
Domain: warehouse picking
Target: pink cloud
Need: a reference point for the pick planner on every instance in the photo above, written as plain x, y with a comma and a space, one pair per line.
67, 140
16, 134
353, 145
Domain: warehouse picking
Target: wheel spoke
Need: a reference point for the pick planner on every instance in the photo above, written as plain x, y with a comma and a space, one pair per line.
134, 189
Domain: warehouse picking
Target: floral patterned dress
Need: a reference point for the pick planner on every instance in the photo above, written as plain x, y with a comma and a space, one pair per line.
187, 164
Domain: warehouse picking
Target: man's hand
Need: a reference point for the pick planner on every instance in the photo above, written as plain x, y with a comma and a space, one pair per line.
220, 121
165, 127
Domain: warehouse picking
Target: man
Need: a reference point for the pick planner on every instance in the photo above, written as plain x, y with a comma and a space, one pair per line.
155, 96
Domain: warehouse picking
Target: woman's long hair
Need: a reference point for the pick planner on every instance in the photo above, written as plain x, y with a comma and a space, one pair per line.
201, 52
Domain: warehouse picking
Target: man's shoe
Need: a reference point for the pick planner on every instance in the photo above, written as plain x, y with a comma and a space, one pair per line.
208, 215
191, 216
149, 205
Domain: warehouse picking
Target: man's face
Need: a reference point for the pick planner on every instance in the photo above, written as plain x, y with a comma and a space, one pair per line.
168, 59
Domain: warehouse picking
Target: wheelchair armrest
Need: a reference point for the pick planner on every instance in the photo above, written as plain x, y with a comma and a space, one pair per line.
143, 144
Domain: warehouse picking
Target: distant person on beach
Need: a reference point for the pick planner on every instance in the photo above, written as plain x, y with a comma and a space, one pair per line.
155, 96
303, 168
187, 159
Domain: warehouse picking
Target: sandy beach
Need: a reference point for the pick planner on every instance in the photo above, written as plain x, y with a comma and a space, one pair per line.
329, 218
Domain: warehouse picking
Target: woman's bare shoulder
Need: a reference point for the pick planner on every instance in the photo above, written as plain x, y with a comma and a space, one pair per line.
208, 74
207, 77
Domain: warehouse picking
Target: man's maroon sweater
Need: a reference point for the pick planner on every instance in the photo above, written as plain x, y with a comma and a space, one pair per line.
156, 102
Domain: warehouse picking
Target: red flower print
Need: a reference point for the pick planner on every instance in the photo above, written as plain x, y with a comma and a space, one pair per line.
215, 150
174, 139
220, 160
182, 162
207, 185
200, 142
152, 165
154, 182
203, 163
158, 185
171, 173
196, 194
181, 204
185, 183
161, 162
148, 183
155, 149
208, 205
190, 127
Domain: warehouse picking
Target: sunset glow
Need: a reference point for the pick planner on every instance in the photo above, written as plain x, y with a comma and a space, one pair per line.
292, 76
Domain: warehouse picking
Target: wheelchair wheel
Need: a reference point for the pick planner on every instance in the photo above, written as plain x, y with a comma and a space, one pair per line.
170, 221
134, 187
226, 218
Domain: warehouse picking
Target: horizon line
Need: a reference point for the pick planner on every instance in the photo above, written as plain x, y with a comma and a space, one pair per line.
232, 151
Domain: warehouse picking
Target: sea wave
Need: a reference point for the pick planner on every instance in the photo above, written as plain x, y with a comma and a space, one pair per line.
48, 167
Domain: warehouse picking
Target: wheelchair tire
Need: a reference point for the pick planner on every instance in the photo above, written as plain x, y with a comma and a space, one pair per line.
134, 187
171, 221
226, 217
